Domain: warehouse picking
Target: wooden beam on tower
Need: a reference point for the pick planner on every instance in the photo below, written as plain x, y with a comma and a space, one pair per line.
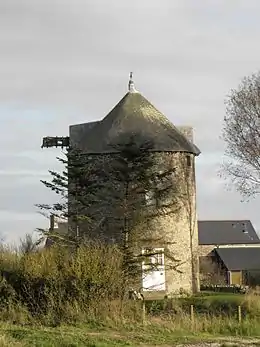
56, 141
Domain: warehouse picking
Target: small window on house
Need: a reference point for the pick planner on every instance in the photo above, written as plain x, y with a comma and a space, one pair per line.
158, 258
188, 160
147, 256
153, 256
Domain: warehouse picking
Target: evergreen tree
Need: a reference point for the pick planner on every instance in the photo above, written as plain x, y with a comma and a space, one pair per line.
77, 188
115, 197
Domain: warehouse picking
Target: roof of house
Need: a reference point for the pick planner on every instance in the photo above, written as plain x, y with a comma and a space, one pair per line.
135, 115
224, 232
240, 258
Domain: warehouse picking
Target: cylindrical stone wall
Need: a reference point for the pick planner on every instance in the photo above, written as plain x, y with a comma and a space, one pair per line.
173, 227
176, 225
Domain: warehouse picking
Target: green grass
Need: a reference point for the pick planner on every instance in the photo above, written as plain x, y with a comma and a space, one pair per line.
214, 294
62, 336
208, 304
167, 322
44, 298
84, 336
131, 335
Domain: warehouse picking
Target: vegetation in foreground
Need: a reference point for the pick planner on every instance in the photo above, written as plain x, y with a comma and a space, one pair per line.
241, 135
56, 297
158, 333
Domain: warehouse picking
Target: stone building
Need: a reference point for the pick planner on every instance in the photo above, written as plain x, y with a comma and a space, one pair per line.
229, 252
173, 147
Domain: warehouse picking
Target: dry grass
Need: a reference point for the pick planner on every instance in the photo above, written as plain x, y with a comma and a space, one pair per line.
9, 342
55, 287
132, 336
58, 285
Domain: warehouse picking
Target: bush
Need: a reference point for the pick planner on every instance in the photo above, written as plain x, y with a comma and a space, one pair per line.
224, 305
225, 288
213, 305
57, 285
48, 282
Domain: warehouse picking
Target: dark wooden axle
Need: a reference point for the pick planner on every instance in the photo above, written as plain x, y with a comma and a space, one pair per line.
56, 141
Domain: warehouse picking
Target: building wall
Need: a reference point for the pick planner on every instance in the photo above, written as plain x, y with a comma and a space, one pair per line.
204, 250
175, 229
180, 229
218, 273
232, 277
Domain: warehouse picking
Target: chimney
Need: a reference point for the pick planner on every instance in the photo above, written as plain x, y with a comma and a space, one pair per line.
187, 131
52, 222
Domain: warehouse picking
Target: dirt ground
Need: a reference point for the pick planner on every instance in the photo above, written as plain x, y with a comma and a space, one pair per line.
221, 343
224, 343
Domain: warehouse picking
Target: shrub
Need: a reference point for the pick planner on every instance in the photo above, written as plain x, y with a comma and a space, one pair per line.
213, 305
47, 282
225, 288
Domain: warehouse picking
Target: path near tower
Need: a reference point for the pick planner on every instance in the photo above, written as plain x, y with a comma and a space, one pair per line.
223, 343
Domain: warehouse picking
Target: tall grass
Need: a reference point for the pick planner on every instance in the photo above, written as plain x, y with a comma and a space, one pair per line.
6, 341
86, 285
57, 284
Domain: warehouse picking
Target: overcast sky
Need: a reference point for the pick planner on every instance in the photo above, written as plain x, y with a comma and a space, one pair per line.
64, 62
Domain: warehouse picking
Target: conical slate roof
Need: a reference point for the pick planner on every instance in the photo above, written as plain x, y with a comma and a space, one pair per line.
133, 115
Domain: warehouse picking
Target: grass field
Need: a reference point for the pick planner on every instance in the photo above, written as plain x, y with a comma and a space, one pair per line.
163, 329
162, 326
68, 336
55, 298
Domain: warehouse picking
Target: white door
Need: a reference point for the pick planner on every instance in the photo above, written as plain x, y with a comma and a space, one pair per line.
153, 269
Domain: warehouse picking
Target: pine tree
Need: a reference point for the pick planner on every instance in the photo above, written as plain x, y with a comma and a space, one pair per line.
77, 188
114, 198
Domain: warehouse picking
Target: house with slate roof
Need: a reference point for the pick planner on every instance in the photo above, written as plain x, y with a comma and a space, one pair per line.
134, 114
234, 245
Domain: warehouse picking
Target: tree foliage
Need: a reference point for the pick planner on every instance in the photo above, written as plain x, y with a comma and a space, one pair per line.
140, 190
113, 198
241, 133
76, 186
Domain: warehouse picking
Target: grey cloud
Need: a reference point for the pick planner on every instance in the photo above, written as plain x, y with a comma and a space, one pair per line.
13, 226
66, 61
28, 197
29, 163
68, 48
217, 199
214, 202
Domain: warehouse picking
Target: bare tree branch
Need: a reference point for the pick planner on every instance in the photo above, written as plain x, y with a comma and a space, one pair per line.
241, 133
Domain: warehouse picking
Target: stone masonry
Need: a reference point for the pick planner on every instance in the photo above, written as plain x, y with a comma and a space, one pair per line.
178, 229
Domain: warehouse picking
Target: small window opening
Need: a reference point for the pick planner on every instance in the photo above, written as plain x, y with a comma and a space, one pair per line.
153, 256
158, 258
188, 159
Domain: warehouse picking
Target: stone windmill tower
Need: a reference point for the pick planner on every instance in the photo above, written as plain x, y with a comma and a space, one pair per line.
173, 147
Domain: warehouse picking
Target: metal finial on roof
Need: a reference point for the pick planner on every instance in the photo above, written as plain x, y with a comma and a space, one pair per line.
131, 85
